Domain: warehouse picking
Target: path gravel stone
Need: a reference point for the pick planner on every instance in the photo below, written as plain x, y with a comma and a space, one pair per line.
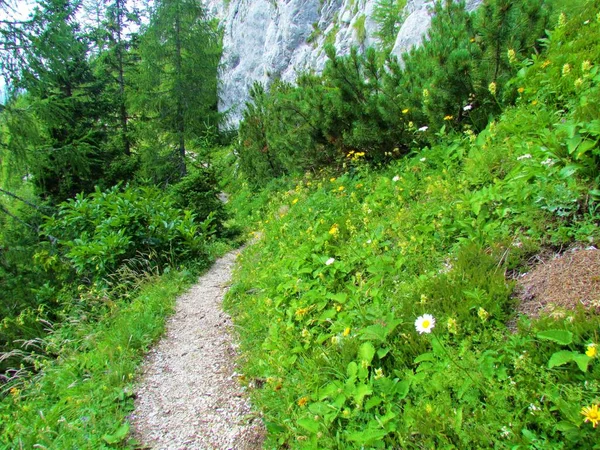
189, 396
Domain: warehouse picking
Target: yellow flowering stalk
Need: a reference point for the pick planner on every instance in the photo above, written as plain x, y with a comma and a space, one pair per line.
512, 56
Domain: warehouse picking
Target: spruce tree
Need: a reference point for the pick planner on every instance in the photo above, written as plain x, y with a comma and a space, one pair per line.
66, 99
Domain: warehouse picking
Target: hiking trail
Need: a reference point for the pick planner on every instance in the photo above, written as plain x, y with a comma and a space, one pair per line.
188, 396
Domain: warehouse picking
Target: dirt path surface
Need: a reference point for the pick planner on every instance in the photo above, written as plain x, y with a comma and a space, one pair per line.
189, 397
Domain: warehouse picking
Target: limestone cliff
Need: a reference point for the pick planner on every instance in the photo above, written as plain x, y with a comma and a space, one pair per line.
269, 39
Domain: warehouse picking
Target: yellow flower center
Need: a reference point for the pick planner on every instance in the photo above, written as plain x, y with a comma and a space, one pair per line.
426, 323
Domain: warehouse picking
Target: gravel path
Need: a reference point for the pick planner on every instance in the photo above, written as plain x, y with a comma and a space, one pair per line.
189, 397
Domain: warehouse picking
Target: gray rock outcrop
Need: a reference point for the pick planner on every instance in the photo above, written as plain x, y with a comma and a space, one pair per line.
266, 40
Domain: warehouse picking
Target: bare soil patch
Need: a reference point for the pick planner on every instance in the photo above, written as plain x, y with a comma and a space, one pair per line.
561, 282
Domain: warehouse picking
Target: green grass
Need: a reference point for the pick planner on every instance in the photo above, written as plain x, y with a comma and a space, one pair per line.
326, 301
81, 400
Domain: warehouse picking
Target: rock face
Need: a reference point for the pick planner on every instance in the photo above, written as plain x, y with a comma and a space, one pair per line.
270, 39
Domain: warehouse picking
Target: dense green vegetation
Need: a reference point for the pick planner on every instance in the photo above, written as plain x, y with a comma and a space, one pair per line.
358, 244
108, 205
393, 206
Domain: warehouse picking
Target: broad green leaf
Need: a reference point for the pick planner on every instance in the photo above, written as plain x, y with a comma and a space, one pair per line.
562, 337
425, 357
560, 358
373, 401
382, 352
272, 427
375, 332
366, 352
309, 424
118, 435
582, 361
362, 390
402, 389
352, 370
339, 297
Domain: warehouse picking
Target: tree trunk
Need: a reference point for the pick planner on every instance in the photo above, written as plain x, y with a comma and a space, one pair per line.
179, 95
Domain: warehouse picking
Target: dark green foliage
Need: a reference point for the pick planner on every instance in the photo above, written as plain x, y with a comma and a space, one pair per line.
318, 123
103, 231
362, 103
66, 100
176, 81
197, 192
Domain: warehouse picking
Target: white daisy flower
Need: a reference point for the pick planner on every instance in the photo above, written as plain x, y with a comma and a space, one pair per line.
330, 261
425, 323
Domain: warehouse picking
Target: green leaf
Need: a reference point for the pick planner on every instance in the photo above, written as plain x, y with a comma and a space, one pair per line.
274, 428
562, 337
367, 436
560, 358
425, 357
382, 352
582, 361
362, 390
352, 370
373, 401
402, 389
309, 424
366, 352
339, 297
117, 436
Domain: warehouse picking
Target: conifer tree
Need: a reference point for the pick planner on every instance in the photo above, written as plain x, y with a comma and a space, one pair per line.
65, 98
177, 78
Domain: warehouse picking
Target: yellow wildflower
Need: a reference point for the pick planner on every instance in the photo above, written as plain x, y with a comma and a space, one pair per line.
294, 201
521, 90
512, 56
546, 64
425, 93
405, 111
592, 350
302, 401
566, 69
301, 311
448, 117
346, 331
341, 188
492, 88
334, 230
332, 179
591, 414
586, 66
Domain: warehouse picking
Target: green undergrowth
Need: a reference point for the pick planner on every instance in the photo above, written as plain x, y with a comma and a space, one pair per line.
327, 298
82, 398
